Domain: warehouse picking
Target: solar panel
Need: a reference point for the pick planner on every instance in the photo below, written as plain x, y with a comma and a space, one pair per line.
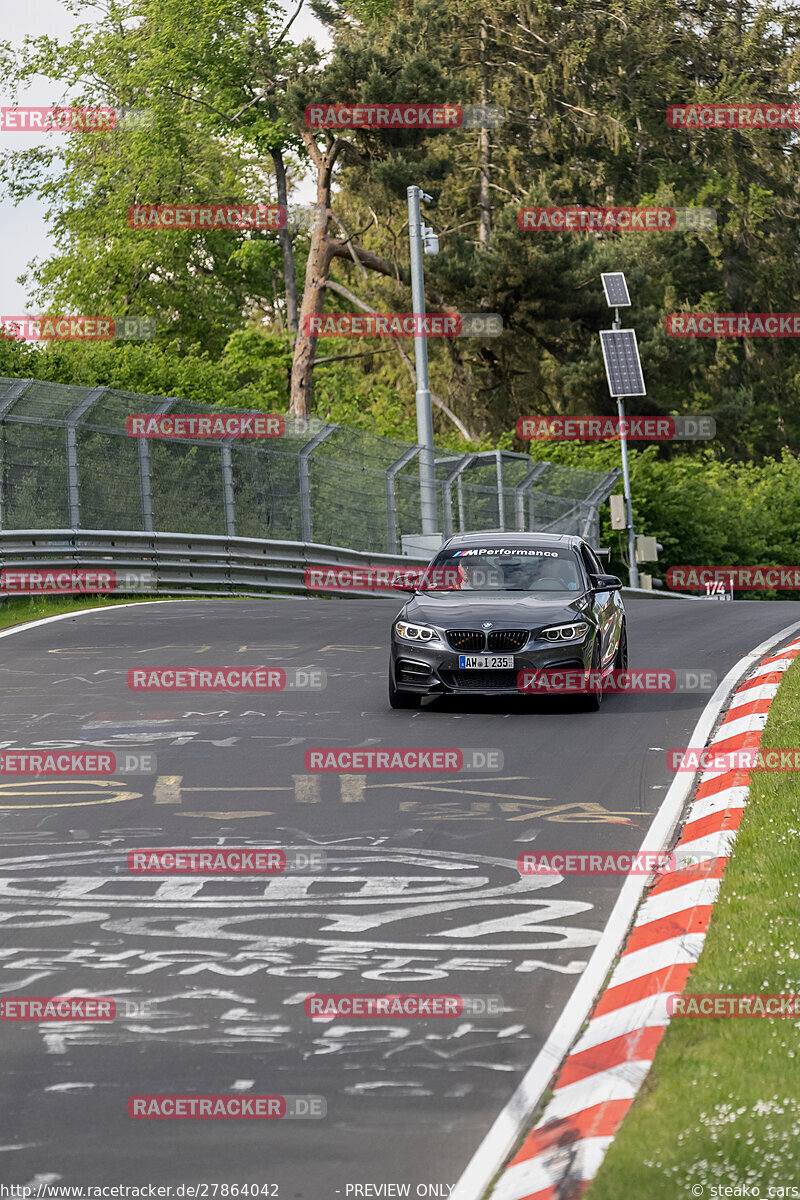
616, 289
621, 358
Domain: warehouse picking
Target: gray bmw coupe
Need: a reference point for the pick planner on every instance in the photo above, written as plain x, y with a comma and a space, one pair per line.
493, 605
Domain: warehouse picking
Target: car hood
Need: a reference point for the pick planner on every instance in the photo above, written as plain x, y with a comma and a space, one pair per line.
511, 610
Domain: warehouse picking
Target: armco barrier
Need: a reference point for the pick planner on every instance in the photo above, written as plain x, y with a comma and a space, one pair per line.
203, 564
658, 594
188, 564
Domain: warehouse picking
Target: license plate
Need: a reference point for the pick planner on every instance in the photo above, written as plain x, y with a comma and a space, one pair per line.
486, 662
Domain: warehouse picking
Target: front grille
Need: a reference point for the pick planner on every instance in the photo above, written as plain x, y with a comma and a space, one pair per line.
481, 679
469, 641
503, 641
412, 672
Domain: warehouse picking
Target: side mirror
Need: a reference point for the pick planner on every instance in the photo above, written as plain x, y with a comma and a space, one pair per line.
605, 583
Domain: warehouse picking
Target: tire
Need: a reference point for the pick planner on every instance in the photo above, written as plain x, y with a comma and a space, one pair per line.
621, 657
402, 699
592, 701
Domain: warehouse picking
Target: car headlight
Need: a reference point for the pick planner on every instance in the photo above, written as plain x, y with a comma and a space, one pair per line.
415, 633
565, 633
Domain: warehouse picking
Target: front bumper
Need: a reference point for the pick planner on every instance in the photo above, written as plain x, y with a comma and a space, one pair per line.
432, 671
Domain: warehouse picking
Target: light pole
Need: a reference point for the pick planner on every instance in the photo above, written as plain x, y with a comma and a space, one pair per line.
417, 232
624, 374
626, 480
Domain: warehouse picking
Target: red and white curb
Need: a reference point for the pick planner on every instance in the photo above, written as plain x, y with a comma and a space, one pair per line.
604, 1069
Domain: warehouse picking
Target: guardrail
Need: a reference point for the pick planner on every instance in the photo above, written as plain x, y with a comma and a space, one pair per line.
200, 564
187, 564
658, 594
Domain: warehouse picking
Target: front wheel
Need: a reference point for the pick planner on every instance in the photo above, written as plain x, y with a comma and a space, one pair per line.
402, 699
621, 657
592, 701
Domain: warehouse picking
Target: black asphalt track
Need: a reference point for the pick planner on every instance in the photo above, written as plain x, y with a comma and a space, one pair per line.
420, 892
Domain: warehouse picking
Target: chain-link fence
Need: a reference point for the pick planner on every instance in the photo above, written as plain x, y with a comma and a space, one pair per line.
66, 462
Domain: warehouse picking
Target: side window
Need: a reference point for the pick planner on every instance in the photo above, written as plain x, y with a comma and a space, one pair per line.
590, 561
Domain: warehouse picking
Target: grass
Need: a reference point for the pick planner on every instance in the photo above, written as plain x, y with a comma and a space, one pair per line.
721, 1105
33, 608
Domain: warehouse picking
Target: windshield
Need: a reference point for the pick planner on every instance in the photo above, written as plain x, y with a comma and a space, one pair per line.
505, 569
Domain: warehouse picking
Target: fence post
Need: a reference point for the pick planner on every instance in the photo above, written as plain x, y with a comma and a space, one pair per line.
305, 480
73, 482
590, 523
501, 516
455, 474
520, 490
391, 497
13, 394
145, 480
227, 487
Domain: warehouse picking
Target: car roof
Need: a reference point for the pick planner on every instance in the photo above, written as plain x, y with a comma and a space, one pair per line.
494, 537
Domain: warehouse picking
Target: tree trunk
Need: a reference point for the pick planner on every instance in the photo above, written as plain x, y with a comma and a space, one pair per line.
285, 239
305, 345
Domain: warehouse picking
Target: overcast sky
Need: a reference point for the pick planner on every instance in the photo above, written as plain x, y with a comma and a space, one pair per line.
23, 232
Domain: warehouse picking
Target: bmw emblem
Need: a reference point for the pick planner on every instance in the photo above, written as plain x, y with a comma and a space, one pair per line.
486, 625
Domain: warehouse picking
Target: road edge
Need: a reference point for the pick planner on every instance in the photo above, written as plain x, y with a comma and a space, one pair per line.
529, 1175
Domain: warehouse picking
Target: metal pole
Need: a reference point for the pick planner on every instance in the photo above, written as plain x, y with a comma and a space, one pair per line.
623, 441
427, 474
304, 465
447, 489
391, 497
228, 498
633, 570
501, 517
15, 390
73, 479
591, 519
145, 476
519, 494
